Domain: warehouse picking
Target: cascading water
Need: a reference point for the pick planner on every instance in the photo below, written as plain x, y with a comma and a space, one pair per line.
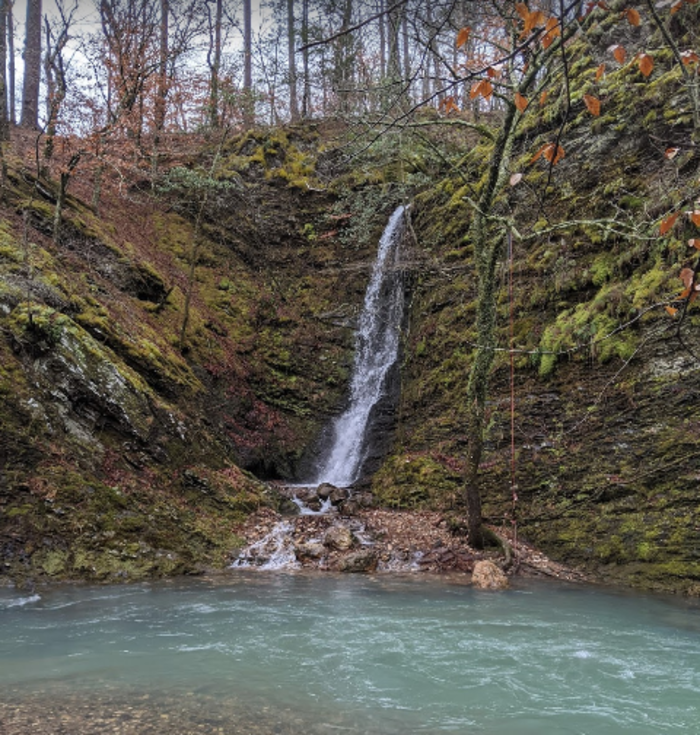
376, 351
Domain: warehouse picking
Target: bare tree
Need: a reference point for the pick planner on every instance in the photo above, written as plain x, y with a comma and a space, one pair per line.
214, 60
4, 120
32, 66
11, 72
306, 95
248, 101
291, 44
56, 34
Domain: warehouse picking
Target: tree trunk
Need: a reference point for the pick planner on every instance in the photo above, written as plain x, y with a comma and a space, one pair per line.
61, 197
291, 42
11, 60
406, 52
162, 88
32, 66
343, 61
215, 66
382, 42
306, 96
248, 102
487, 248
4, 121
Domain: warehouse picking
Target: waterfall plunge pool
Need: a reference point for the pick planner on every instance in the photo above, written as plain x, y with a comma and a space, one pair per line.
294, 654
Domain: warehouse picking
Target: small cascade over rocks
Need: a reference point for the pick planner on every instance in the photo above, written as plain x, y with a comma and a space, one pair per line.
376, 351
275, 550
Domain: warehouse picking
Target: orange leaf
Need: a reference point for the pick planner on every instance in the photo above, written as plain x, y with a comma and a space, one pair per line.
463, 36
552, 152
543, 97
552, 30
448, 104
695, 217
687, 275
675, 8
555, 154
592, 104
632, 16
552, 26
671, 153
694, 243
671, 310
668, 223
645, 63
520, 102
599, 72
522, 10
689, 57
619, 53
483, 88
491, 73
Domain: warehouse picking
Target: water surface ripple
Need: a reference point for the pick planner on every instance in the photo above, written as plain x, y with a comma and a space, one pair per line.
274, 653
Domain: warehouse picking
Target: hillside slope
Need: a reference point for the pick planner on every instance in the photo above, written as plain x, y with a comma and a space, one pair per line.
166, 354
606, 456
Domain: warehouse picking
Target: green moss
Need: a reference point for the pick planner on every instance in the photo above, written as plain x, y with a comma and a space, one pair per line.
415, 481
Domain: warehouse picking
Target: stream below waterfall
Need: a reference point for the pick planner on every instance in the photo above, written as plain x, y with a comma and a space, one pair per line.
294, 654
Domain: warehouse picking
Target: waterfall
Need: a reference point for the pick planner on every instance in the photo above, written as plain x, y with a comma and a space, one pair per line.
376, 351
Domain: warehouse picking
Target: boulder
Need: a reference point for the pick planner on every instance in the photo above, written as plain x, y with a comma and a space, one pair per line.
338, 537
364, 560
488, 576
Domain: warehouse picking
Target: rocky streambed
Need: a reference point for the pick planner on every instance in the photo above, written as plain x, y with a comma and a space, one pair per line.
326, 528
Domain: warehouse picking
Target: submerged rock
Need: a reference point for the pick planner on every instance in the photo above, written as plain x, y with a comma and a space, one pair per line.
488, 576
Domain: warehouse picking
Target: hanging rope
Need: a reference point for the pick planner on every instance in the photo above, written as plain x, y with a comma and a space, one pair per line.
513, 486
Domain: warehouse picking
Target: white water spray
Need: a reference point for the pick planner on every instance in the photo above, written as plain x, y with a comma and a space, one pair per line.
376, 351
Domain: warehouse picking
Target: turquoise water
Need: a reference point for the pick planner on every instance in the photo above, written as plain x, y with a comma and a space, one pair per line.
274, 653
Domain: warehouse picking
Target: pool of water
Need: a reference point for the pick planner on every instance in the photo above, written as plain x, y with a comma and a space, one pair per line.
293, 654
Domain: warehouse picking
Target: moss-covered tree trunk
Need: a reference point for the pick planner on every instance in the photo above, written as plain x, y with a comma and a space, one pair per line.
487, 248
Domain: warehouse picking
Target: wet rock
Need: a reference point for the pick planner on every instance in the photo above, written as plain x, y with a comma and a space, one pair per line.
488, 576
306, 494
338, 537
287, 507
338, 495
364, 560
309, 550
350, 507
325, 490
